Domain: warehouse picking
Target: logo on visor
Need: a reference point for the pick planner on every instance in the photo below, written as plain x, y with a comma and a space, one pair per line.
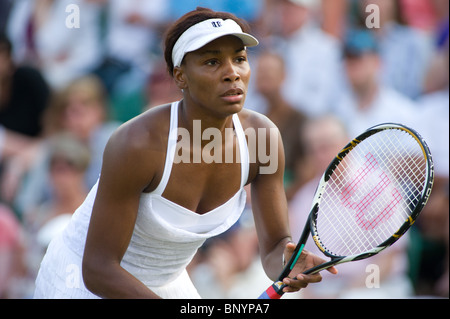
216, 24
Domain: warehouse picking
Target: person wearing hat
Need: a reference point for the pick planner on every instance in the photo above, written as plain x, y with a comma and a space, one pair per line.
366, 101
144, 220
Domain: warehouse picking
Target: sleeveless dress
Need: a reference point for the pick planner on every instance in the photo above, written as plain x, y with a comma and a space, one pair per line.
165, 238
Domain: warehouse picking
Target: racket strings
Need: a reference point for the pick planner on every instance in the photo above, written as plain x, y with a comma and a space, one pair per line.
371, 193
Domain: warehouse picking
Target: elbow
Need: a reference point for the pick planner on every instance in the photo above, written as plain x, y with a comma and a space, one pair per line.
101, 275
92, 275
87, 274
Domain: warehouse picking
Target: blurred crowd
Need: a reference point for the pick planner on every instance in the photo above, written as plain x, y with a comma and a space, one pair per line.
325, 70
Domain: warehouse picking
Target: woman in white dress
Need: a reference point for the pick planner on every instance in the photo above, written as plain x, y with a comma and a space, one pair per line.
151, 209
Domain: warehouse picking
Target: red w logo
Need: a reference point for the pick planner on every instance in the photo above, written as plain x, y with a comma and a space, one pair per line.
365, 203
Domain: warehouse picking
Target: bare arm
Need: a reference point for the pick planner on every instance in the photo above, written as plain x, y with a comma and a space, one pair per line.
270, 210
127, 170
269, 205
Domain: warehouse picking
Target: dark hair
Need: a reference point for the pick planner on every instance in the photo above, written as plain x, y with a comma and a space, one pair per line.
188, 20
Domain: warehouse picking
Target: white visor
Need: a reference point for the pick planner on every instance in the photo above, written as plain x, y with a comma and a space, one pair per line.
206, 31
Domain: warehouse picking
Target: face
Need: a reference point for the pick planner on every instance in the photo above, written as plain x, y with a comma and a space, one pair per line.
215, 77
291, 17
64, 175
270, 74
83, 114
362, 70
324, 138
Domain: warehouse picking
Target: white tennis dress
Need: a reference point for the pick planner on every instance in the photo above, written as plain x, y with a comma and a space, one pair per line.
165, 238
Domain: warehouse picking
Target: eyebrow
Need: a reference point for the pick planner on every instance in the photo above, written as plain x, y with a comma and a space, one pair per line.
216, 52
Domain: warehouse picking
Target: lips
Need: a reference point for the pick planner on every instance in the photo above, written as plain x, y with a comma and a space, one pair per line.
233, 92
233, 96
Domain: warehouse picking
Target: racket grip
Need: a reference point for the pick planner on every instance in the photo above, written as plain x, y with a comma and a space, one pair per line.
273, 292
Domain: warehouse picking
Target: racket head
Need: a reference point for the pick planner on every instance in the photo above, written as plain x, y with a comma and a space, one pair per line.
372, 192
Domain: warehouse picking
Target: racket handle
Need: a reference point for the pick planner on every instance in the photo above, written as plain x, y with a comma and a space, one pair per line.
273, 292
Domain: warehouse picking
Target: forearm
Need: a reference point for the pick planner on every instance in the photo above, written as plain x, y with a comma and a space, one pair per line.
114, 282
273, 260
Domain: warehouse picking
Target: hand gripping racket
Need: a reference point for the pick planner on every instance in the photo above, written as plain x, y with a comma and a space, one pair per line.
368, 197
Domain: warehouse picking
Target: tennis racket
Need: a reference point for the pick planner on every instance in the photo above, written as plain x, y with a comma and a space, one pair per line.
368, 197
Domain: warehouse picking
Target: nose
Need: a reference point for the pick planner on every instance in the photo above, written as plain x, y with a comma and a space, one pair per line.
231, 73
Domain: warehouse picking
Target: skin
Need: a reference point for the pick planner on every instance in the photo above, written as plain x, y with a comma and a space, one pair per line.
134, 163
362, 72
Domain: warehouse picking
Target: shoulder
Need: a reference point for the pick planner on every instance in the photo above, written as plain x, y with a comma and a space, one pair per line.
264, 144
146, 131
140, 141
135, 152
260, 127
253, 120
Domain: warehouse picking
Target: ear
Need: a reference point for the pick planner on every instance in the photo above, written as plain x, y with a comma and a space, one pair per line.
179, 77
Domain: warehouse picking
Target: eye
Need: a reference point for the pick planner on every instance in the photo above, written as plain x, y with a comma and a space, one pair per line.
241, 59
211, 62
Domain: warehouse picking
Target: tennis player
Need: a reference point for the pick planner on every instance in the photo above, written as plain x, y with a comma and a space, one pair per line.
144, 220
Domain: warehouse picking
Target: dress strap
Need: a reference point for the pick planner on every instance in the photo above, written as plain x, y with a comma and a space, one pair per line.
172, 145
243, 150
171, 148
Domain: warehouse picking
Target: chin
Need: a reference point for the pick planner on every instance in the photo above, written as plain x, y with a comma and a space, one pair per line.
231, 109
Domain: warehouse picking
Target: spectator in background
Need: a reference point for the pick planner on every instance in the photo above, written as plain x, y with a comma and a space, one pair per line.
81, 110
84, 112
405, 52
41, 37
433, 119
425, 15
333, 14
436, 78
24, 94
160, 88
431, 270
248, 10
368, 102
131, 39
324, 137
312, 56
132, 32
69, 158
311, 60
269, 79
